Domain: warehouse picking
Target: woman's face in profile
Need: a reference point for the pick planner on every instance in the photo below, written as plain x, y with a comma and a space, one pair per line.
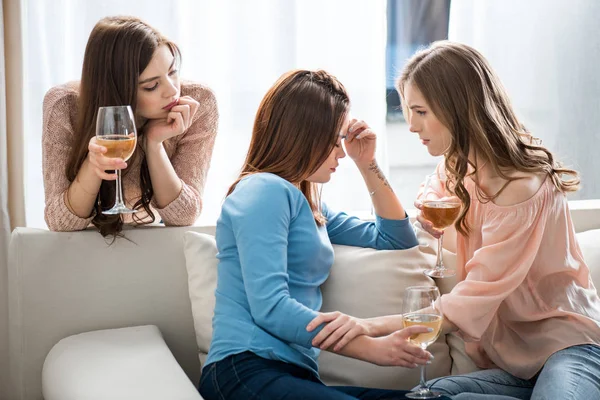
424, 122
159, 85
323, 174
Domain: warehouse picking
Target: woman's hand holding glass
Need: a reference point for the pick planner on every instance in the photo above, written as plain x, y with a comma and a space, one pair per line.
437, 212
116, 139
422, 308
101, 163
178, 120
396, 349
360, 142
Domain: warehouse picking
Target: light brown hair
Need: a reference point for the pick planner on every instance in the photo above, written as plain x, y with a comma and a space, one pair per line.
117, 52
296, 128
466, 95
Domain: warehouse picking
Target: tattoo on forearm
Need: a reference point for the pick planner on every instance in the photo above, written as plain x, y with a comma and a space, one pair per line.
373, 167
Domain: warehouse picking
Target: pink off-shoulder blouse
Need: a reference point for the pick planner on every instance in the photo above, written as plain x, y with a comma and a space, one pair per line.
524, 289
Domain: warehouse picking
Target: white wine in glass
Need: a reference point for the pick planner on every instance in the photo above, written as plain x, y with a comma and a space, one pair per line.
421, 308
441, 213
115, 130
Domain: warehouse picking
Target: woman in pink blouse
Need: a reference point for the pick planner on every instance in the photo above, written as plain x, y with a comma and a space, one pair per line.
525, 303
127, 62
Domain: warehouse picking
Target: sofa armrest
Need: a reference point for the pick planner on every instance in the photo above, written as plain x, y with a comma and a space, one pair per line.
126, 363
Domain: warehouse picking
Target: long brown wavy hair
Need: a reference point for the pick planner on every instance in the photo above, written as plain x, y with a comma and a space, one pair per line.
296, 128
466, 95
117, 52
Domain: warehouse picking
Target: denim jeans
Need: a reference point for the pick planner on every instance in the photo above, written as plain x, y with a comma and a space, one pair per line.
572, 373
250, 377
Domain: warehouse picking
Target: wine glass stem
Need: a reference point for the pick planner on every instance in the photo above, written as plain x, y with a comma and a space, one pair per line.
439, 264
119, 191
423, 379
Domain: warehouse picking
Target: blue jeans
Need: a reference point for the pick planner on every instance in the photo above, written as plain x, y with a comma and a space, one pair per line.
250, 377
572, 373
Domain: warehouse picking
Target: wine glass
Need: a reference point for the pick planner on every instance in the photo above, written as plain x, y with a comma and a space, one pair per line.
441, 211
115, 130
420, 308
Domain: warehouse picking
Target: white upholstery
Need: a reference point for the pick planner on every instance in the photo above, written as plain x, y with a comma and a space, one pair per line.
62, 284
89, 366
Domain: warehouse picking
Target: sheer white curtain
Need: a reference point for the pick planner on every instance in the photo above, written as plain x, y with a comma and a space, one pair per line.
239, 49
547, 54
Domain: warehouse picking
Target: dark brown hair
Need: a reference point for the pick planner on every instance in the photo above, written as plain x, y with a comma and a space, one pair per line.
296, 128
466, 95
117, 52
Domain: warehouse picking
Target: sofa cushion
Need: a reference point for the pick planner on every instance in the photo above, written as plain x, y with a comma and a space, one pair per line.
368, 283
363, 283
589, 242
201, 262
126, 363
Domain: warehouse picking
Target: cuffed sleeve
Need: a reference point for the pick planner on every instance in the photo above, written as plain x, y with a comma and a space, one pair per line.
383, 234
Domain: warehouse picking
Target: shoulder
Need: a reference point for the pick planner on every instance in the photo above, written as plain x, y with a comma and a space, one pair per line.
208, 112
266, 190
67, 92
521, 190
265, 184
199, 92
60, 105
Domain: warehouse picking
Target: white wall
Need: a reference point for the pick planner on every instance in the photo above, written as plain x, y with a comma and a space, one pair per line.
547, 54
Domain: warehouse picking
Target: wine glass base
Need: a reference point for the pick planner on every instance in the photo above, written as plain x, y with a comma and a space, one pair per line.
439, 273
119, 210
424, 394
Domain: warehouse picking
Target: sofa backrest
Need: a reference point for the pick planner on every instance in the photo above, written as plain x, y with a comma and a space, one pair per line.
62, 284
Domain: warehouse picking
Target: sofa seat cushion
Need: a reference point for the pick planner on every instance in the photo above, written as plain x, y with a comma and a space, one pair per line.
126, 363
363, 283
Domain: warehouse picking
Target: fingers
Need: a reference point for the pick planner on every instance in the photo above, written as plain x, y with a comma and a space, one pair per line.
428, 226
192, 103
359, 129
342, 330
329, 330
418, 204
410, 353
105, 175
185, 111
351, 334
175, 119
321, 319
94, 148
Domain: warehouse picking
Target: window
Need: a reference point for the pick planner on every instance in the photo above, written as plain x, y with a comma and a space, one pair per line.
411, 24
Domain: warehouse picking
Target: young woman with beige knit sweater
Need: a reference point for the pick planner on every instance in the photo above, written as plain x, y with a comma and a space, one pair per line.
127, 62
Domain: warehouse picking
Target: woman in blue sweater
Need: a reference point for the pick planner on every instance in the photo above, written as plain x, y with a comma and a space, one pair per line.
274, 240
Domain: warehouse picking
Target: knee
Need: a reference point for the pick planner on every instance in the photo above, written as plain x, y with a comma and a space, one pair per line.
447, 385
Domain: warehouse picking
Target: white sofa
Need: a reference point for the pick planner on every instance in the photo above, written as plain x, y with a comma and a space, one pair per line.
62, 285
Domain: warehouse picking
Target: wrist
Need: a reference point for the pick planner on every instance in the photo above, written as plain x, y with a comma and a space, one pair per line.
153, 146
366, 166
86, 174
373, 327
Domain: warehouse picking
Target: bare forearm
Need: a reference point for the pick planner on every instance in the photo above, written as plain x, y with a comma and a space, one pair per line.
385, 201
83, 191
385, 325
360, 348
165, 181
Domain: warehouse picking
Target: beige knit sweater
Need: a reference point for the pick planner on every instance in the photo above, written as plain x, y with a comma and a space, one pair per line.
190, 154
